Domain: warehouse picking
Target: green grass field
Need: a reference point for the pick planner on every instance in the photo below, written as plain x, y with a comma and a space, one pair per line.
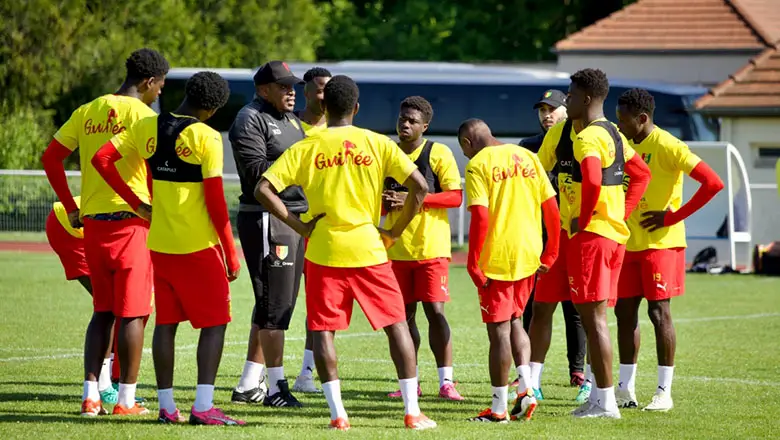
727, 381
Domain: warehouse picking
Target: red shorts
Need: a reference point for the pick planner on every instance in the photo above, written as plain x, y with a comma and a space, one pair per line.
119, 266
594, 268
191, 287
423, 281
656, 274
501, 301
70, 249
553, 286
331, 291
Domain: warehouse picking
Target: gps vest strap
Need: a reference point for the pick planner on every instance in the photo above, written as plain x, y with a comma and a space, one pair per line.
423, 163
165, 163
564, 151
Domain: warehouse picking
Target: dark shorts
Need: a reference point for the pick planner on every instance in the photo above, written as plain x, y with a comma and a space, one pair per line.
274, 258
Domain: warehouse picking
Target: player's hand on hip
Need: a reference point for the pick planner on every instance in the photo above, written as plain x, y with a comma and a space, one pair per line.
387, 238
74, 219
145, 211
653, 220
232, 274
309, 225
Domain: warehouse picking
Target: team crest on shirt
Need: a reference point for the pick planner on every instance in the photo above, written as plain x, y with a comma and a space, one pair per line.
282, 252
646, 157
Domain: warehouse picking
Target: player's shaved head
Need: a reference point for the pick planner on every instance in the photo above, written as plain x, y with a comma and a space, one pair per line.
474, 135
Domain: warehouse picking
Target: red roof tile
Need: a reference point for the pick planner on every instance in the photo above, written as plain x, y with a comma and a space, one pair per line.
652, 25
754, 88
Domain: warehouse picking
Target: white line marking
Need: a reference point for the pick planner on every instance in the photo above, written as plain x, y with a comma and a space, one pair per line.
363, 335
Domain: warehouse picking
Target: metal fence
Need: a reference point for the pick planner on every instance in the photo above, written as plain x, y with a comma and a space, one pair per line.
26, 199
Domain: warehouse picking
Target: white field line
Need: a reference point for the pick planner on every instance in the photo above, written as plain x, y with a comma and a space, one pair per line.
73, 354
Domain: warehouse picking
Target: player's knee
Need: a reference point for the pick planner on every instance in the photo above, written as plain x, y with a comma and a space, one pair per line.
659, 312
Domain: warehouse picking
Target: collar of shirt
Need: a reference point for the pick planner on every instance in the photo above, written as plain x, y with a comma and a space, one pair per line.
267, 107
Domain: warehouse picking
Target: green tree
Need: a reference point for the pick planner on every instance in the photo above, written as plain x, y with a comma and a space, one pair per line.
57, 54
467, 30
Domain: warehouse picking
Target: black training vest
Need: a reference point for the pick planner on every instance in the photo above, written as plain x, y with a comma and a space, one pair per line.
423, 163
610, 176
165, 164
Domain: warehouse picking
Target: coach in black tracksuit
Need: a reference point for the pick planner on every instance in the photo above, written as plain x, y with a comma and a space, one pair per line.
550, 101
262, 131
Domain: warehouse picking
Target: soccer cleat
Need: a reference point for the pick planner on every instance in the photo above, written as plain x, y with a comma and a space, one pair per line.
340, 424
595, 411
538, 394
576, 379
625, 399
214, 416
135, 410
487, 416
283, 398
398, 395
581, 409
170, 418
525, 405
305, 384
661, 402
419, 422
111, 396
90, 408
255, 395
515, 383
448, 392
584, 393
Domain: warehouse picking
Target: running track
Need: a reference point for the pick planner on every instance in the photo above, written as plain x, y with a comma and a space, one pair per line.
458, 258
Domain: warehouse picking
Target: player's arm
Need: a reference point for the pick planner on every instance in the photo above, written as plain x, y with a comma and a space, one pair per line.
551, 216
710, 184
478, 202
449, 178
283, 174
591, 189
104, 162
216, 206
418, 190
64, 142
639, 174
547, 151
247, 138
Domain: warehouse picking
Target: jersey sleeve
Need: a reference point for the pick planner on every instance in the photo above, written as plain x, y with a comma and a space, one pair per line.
587, 144
126, 142
68, 134
678, 157
213, 157
446, 168
284, 171
546, 154
476, 187
396, 163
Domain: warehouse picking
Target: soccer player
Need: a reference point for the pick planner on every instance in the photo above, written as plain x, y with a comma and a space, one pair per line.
421, 257
313, 121
312, 116
551, 110
68, 243
654, 265
189, 221
262, 131
342, 171
597, 230
114, 233
507, 192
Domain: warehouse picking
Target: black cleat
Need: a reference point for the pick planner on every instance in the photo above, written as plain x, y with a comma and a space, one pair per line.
255, 395
283, 398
